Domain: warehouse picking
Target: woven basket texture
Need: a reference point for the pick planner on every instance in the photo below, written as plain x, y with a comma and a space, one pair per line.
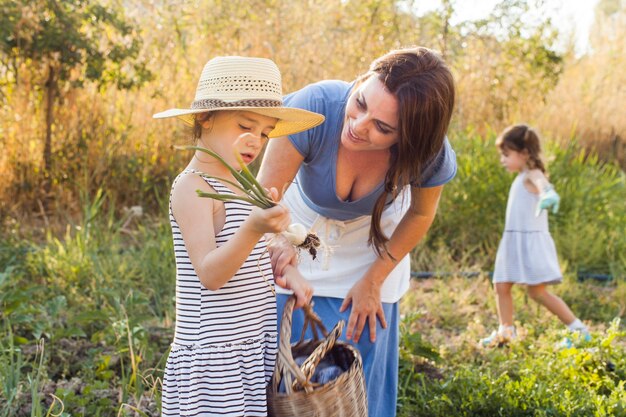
344, 396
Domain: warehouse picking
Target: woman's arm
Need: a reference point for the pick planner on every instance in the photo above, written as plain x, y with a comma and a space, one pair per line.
365, 295
278, 169
280, 164
194, 215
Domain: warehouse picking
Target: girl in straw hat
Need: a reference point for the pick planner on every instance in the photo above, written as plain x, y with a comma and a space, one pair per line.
371, 174
225, 341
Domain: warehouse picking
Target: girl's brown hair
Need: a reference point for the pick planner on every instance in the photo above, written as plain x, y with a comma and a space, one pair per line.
520, 138
424, 87
196, 132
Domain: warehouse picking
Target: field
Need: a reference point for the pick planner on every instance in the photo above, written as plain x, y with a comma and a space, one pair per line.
86, 261
87, 316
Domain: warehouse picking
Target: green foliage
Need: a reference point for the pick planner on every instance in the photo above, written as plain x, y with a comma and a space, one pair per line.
470, 218
98, 296
11, 362
589, 229
530, 378
413, 347
68, 34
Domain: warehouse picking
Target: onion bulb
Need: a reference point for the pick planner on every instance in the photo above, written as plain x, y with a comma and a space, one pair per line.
296, 234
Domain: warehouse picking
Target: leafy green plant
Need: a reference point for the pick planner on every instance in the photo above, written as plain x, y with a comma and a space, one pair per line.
588, 229
11, 362
412, 344
530, 379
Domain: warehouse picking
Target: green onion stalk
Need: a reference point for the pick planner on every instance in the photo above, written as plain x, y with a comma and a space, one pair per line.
255, 194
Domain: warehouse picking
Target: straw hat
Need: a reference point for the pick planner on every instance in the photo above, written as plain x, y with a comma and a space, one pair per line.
250, 84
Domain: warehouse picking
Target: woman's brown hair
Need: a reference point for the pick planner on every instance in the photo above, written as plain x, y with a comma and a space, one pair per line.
520, 138
424, 87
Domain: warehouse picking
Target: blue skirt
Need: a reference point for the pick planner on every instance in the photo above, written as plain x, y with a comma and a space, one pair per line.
380, 359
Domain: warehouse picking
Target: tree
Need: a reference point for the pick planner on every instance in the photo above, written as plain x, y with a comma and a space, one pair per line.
69, 42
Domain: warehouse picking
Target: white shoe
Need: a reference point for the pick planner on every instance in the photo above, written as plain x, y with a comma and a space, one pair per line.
498, 338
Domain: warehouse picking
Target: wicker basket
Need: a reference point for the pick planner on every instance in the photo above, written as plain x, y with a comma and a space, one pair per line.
342, 397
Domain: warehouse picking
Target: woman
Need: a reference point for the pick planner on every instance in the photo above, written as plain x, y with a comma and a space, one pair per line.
367, 181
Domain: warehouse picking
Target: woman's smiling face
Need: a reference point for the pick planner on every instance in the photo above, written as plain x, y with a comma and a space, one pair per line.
371, 117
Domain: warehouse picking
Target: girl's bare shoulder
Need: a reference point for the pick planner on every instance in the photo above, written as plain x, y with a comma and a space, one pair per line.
535, 181
535, 174
184, 195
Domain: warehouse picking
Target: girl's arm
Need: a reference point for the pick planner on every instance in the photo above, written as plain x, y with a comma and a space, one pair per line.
195, 217
548, 197
293, 280
365, 294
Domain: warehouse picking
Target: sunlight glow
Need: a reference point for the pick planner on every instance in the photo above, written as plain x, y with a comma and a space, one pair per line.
573, 18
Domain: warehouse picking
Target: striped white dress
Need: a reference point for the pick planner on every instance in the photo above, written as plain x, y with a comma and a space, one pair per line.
526, 254
224, 347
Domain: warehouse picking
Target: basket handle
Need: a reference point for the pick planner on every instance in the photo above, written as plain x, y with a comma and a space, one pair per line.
313, 321
286, 366
309, 365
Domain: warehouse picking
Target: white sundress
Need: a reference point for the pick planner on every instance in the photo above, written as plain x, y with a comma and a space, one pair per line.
526, 254
224, 348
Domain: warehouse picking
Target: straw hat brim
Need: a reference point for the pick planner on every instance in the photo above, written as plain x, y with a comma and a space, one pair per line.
290, 120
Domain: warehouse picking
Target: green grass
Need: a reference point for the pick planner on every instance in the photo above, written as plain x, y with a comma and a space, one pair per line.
101, 296
86, 313
532, 377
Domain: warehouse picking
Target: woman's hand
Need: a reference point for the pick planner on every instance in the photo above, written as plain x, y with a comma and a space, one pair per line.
282, 254
366, 307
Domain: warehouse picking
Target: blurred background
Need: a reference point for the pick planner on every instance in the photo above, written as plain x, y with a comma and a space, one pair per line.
86, 267
80, 80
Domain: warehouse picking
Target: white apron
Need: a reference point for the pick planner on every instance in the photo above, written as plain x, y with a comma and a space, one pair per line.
345, 256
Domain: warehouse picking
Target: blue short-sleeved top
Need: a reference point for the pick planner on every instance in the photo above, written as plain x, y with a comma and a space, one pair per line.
319, 146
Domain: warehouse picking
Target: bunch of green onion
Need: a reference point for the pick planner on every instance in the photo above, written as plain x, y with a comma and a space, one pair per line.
255, 194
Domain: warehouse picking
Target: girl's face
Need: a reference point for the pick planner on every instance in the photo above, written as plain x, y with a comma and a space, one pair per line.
513, 161
371, 121
241, 132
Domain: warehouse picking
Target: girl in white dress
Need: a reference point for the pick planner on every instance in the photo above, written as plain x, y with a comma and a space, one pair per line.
527, 254
224, 347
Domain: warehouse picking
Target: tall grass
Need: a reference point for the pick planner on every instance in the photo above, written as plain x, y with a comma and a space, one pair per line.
588, 99
102, 297
107, 139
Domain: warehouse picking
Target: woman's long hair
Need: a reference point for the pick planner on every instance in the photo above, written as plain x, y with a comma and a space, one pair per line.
424, 87
520, 138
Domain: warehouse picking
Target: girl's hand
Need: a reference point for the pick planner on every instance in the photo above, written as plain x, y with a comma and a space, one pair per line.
271, 220
366, 307
293, 280
548, 198
282, 255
